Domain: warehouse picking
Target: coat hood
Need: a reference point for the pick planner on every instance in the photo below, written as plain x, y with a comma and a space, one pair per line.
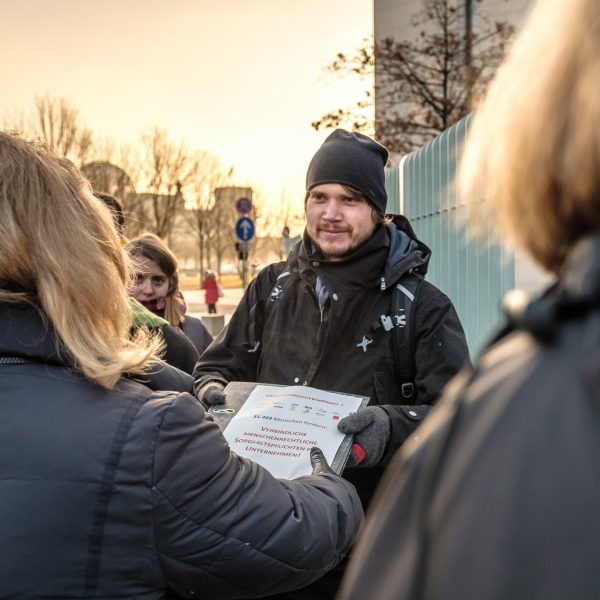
406, 251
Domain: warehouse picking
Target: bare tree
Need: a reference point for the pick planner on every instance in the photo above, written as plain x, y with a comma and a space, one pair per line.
15, 120
58, 124
425, 84
167, 168
206, 176
283, 213
361, 116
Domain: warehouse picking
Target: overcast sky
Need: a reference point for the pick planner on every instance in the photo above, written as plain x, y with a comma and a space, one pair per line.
240, 78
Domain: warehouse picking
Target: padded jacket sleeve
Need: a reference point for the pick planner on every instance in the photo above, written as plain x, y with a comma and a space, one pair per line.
163, 376
225, 528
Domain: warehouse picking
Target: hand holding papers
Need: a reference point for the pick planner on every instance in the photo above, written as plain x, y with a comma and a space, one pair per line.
277, 426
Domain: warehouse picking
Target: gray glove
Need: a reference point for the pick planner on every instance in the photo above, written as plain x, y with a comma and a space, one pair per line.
319, 462
211, 393
371, 429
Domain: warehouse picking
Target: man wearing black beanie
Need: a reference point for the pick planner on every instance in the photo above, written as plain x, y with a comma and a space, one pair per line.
354, 160
349, 311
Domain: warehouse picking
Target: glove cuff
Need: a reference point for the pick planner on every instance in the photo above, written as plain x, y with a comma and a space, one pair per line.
201, 389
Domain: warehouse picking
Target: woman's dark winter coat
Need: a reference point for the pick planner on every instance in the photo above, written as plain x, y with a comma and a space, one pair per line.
197, 333
500, 499
133, 493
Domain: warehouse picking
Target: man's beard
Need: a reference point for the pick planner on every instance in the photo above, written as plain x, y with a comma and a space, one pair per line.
335, 253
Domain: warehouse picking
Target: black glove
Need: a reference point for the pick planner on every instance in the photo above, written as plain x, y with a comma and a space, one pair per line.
211, 394
319, 463
371, 429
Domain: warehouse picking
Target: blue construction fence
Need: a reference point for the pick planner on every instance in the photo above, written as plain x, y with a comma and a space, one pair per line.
473, 271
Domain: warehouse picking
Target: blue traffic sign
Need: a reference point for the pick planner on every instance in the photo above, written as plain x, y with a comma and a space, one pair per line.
244, 229
244, 205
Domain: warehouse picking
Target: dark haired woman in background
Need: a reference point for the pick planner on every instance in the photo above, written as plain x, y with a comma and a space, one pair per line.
156, 286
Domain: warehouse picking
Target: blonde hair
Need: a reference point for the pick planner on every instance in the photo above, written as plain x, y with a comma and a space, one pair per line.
149, 245
59, 250
533, 151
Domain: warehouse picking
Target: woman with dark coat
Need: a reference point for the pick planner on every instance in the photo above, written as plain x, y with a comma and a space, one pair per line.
108, 489
498, 498
156, 286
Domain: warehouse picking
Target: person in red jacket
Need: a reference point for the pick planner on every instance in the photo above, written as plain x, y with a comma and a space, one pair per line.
211, 291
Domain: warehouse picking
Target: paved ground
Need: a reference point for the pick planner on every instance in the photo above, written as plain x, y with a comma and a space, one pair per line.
225, 306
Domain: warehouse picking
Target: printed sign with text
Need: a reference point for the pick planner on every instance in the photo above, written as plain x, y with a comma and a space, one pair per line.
277, 426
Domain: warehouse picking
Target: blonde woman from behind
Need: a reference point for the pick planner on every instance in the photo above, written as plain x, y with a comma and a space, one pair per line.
109, 489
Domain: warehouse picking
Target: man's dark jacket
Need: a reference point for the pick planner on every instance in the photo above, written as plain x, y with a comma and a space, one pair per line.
133, 493
499, 500
279, 334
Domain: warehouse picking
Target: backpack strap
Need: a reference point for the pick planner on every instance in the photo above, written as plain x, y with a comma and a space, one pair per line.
404, 297
253, 344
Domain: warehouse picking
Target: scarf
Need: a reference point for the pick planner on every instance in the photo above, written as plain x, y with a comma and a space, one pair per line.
361, 269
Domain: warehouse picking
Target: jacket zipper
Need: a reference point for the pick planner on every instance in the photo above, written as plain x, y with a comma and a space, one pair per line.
321, 338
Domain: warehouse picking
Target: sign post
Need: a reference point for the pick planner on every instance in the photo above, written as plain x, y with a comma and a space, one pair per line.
244, 205
244, 230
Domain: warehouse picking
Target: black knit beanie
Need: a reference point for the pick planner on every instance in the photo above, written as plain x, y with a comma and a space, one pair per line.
351, 159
